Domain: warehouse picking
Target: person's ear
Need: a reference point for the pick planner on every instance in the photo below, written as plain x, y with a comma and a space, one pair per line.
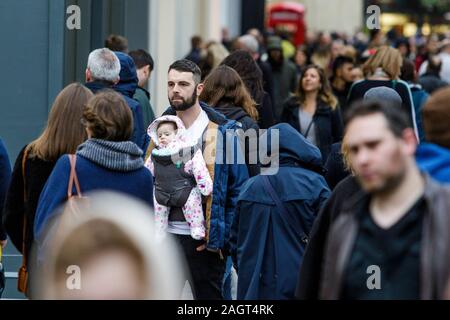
410, 141
200, 88
88, 75
117, 81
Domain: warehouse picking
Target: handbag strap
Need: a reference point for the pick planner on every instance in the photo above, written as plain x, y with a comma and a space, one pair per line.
282, 208
73, 179
24, 230
309, 128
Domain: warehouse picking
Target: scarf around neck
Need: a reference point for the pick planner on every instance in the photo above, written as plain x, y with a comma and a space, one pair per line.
117, 156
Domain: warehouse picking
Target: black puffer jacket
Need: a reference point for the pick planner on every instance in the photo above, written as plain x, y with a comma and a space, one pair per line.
238, 114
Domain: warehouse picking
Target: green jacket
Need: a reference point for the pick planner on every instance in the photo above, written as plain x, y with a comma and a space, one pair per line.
143, 97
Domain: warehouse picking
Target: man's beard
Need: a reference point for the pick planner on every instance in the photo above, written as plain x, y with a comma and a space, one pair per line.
187, 104
389, 185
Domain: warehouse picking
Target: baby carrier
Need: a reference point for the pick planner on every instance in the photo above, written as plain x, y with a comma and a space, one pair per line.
172, 184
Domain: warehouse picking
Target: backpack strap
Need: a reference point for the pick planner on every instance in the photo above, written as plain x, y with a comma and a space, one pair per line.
394, 84
282, 210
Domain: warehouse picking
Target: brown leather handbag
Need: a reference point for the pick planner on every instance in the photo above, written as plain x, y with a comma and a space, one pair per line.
22, 282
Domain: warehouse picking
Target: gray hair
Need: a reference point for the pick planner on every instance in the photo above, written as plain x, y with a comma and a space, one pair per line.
250, 43
104, 65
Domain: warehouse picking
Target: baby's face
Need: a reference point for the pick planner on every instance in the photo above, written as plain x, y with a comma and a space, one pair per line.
166, 134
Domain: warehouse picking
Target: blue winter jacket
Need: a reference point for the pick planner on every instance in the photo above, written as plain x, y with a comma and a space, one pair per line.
228, 177
5, 177
91, 176
434, 160
267, 245
127, 86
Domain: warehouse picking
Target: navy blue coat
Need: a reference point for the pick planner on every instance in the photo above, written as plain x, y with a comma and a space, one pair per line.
267, 249
92, 177
5, 176
127, 87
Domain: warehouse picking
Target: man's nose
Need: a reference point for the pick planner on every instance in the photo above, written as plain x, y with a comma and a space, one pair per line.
363, 157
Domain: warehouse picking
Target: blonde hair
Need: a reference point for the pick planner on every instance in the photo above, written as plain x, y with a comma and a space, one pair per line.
388, 59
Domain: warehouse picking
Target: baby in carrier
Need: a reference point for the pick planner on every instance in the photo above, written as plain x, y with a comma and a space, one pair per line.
181, 175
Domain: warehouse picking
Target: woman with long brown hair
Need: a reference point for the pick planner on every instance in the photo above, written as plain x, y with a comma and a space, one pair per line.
314, 110
242, 62
225, 91
63, 133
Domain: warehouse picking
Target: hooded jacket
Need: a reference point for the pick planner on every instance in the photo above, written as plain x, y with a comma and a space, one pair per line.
267, 249
127, 86
435, 160
228, 178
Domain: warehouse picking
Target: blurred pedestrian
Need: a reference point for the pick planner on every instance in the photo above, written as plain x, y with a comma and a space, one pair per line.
419, 96
5, 177
117, 42
215, 53
144, 67
63, 134
250, 74
250, 44
434, 155
397, 210
431, 79
284, 75
444, 55
342, 79
195, 55
110, 252
383, 69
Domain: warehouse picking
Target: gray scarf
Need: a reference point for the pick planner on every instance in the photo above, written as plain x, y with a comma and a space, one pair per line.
117, 156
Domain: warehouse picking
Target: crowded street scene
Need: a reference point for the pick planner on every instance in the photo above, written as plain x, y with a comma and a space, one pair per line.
232, 150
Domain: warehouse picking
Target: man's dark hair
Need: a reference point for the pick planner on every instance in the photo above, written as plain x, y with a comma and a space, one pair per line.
408, 71
340, 61
196, 42
396, 117
434, 65
142, 58
117, 43
185, 65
